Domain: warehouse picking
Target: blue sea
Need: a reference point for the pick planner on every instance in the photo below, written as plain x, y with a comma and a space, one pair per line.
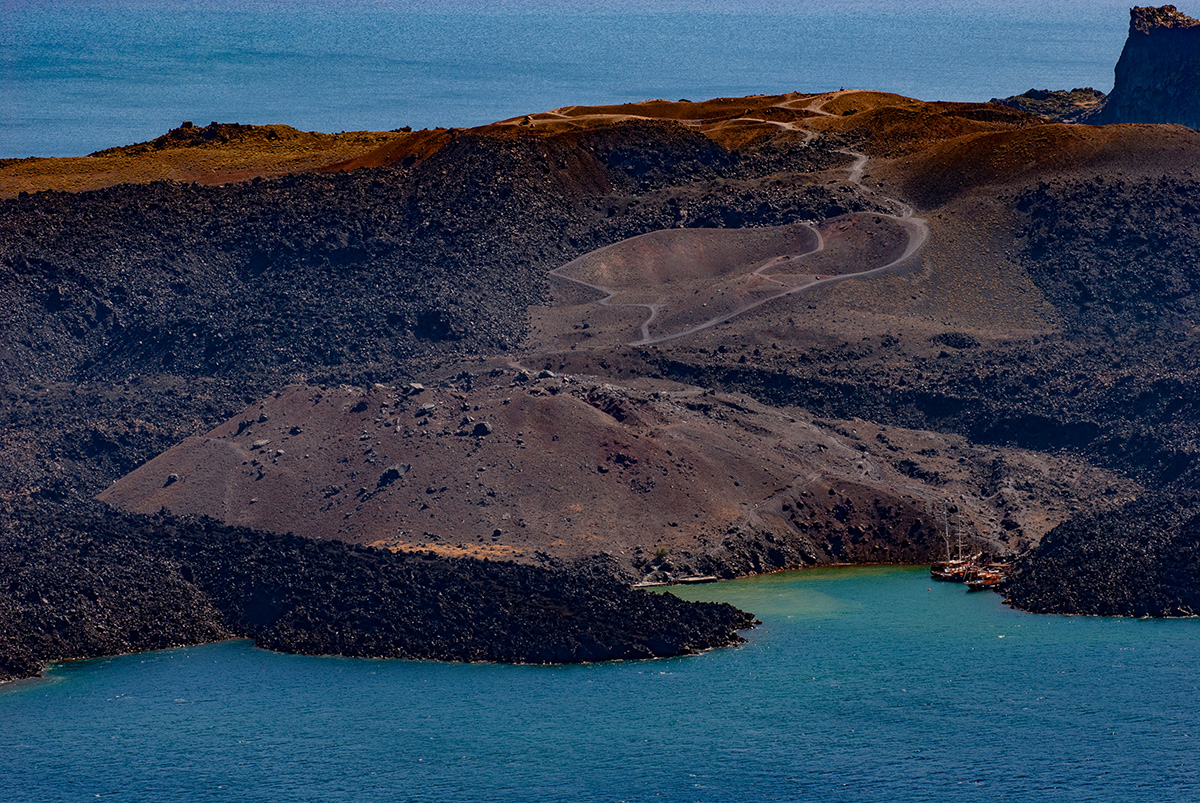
80, 75
864, 685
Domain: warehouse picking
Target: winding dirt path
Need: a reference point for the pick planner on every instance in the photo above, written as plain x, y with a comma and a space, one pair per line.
916, 228
711, 322
609, 295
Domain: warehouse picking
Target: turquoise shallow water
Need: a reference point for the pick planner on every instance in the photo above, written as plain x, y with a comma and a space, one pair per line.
861, 685
80, 75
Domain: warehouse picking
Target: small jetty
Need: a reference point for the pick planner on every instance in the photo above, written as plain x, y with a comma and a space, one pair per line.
680, 581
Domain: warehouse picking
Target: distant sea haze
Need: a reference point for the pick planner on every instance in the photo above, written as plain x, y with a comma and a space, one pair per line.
81, 75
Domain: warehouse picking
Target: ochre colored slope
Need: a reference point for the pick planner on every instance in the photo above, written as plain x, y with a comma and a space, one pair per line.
238, 154
1002, 158
891, 131
222, 153
944, 147
403, 150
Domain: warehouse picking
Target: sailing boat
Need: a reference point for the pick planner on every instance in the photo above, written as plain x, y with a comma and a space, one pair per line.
952, 570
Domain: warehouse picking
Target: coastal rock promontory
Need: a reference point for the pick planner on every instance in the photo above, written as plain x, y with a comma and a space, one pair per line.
90, 581
1157, 78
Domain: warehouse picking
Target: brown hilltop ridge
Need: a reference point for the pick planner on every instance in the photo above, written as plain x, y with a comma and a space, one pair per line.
223, 153
218, 153
1157, 79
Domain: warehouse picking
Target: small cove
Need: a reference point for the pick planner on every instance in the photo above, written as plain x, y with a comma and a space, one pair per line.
861, 684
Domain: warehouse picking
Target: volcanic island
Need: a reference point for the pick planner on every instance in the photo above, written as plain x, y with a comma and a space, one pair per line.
455, 393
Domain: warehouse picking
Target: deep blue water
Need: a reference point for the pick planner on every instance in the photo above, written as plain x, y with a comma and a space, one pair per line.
80, 75
861, 685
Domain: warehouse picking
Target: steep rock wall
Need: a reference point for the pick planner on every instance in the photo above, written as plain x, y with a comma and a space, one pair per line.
1158, 75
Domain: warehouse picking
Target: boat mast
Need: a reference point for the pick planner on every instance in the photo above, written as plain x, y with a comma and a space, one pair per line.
946, 537
958, 532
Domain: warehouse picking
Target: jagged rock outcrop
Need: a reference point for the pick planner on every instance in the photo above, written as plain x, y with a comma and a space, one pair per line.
1158, 75
1064, 106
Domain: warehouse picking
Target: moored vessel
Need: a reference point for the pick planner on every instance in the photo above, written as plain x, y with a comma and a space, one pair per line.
953, 571
992, 575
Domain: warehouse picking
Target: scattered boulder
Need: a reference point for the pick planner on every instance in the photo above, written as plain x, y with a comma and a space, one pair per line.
391, 474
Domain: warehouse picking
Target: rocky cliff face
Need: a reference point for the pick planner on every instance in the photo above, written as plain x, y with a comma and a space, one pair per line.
1158, 74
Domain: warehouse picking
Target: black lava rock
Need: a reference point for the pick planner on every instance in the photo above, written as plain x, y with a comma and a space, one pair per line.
1140, 560
91, 580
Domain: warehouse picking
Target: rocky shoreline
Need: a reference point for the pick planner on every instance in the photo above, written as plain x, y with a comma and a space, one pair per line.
93, 581
1141, 560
